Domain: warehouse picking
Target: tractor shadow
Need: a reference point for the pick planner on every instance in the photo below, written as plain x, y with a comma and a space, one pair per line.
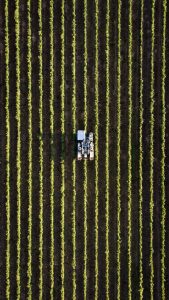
61, 145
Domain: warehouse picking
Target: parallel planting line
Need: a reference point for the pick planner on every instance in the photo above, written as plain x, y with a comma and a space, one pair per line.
85, 162
107, 144
18, 154
130, 84
7, 153
52, 164
29, 58
118, 154
152, 151
74, 132
163, 147
141, 158
96, 143
62, 87
40, 152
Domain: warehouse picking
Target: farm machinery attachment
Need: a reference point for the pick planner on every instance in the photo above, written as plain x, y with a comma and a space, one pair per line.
85, 145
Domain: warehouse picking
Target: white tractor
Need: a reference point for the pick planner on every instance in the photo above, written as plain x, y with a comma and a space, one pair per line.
85, 145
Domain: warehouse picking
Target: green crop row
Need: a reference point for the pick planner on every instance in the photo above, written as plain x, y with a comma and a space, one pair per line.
74, 132
52, 164
141, 157
62, 90
7, 154
152, 150
107, 144
163, 147
85, 163
18, 154
118, 153
29, 56
40, 152
96, 143
130, 84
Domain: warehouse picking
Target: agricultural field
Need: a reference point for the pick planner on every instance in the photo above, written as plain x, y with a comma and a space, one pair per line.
84, 229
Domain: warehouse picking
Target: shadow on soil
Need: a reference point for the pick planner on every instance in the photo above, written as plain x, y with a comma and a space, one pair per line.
67, 145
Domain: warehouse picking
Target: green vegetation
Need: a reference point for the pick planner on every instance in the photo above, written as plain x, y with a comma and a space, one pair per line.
52, 164
107, 145
141, 157
40, 152
130, 84
163, 147
96, 144
74, 132
18, 156
29, 62
85, 163
62, 91
152, 151
7, 154
118, 154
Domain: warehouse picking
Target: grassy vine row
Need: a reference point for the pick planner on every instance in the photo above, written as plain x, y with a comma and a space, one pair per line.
141, 158
29, 57
52, 164
130, 84
74, 132
152, 151
163, 147
62, 87
40, 151
107, 143
18, 154
85, 162
118, 154
7, 153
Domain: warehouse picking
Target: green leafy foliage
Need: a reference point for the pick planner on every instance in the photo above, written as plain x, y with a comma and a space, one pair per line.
7, 154
141, 158
74, 132
29, 63
18, 155
107, 144
163, 147
62, 91
152, 151
130, 84
40, 151
52, 164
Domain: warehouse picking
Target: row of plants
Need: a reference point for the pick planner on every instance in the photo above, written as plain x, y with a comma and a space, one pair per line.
152, 150
62, 91
52, 163
85, 162
74, 132
130, 85
40, 49
29, 64
163, 147
118, 153
96, 142
7, 152
107, 52
141, 157
18, 153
